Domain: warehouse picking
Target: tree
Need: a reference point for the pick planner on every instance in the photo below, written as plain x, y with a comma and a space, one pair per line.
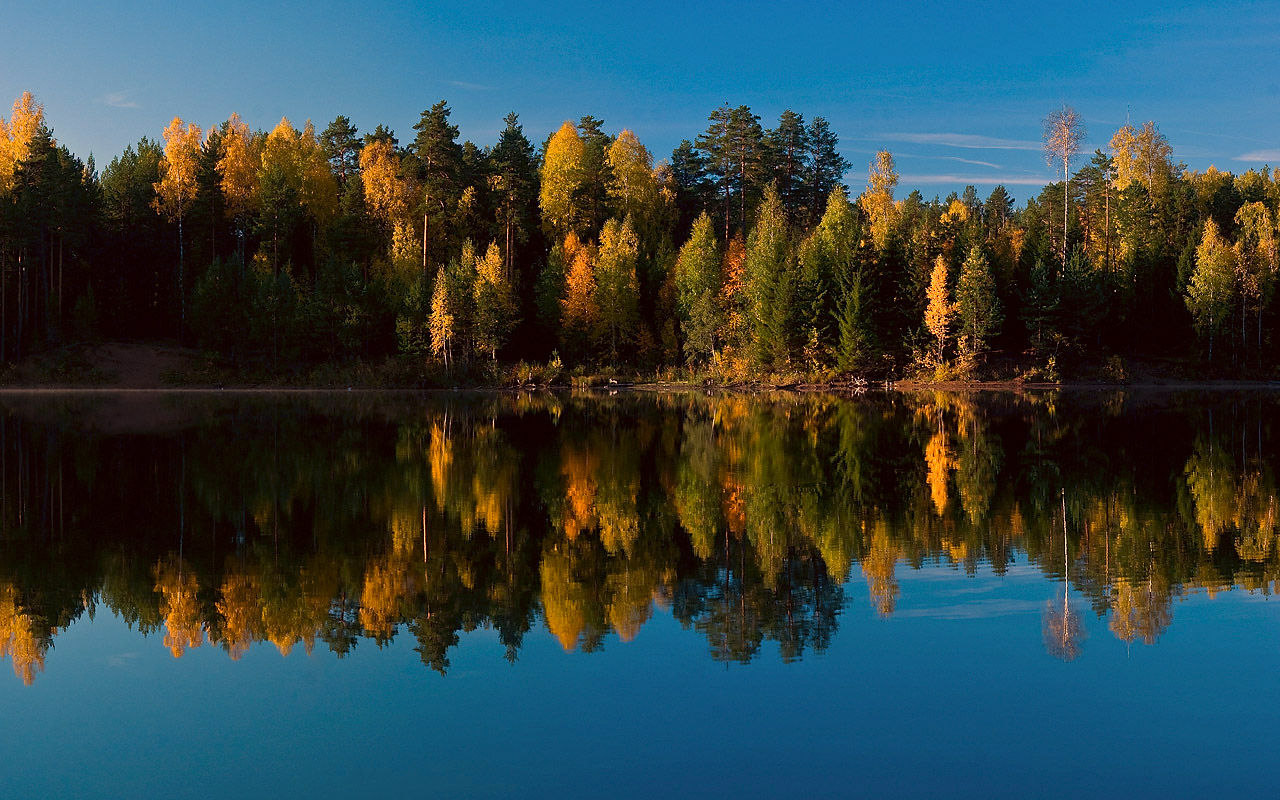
176, 188
617, 289
1064, 132
280, 187
591, 196
940, 311
439, 167
877, 201
1256, 261
26, 119
341, 146
826, 166
385, 192
1142, 156
580, 312
633, 189
697, 277
495, 303
977, 304
1209, 294
561, 178
694, 189
238, 167
788, 146
515, 177
735, 147
769, 283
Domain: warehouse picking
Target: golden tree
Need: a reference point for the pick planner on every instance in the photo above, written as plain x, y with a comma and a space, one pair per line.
238, 170
16, 136
385, 192
634, 188
176, 189
1142, 156
940, 311
561, 177
877, 201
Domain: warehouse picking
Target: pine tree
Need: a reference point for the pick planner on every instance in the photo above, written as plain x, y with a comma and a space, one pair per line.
825, 164
789, 153
439, 168
516, 178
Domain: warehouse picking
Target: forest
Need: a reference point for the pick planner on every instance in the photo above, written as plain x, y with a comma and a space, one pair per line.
745, 254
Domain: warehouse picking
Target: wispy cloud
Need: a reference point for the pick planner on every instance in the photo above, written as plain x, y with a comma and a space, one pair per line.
965, 140
969, 161
1260, 155
470, 87
977, 180
119, 100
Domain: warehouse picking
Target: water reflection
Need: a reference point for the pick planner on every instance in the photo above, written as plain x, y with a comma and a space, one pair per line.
228, 523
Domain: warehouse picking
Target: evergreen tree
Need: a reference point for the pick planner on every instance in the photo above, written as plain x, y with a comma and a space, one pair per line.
977, 305
438, 163
789, 153
341, 145
515, 173
826, 166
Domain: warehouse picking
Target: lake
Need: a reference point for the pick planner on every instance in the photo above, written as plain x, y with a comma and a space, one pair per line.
1050, 594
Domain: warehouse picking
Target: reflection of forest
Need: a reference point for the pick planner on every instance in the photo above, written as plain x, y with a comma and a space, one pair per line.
743, 517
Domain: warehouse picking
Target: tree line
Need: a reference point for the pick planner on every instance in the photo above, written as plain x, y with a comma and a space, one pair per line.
743, 253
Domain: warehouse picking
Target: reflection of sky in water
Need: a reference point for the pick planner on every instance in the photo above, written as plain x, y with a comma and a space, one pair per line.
952, 695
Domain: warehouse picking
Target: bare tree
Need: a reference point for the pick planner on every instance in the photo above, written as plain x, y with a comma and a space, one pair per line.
1063, 134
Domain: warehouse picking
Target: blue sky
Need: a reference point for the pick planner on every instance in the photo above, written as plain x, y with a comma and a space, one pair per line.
956, 91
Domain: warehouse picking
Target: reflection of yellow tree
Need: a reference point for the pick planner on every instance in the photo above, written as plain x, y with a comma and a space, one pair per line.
564, 600
1211, 481
1256, 515
180, 606
937, 457
1139, 611
878, 566
18, 639
580, 467
386, 584
241, 610
630, 603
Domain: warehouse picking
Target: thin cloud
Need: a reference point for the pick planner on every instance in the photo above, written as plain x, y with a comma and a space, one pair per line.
972, 161
1260, 155
119, 100
965, 140
470, 87
963, 180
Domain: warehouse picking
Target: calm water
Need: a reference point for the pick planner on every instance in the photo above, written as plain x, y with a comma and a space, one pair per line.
1061, 594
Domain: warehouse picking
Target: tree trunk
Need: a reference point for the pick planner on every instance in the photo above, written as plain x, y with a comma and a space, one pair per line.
182, 298
1065, 196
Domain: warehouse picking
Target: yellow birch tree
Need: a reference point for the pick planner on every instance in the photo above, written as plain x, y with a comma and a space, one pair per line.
561, 177
176, 189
